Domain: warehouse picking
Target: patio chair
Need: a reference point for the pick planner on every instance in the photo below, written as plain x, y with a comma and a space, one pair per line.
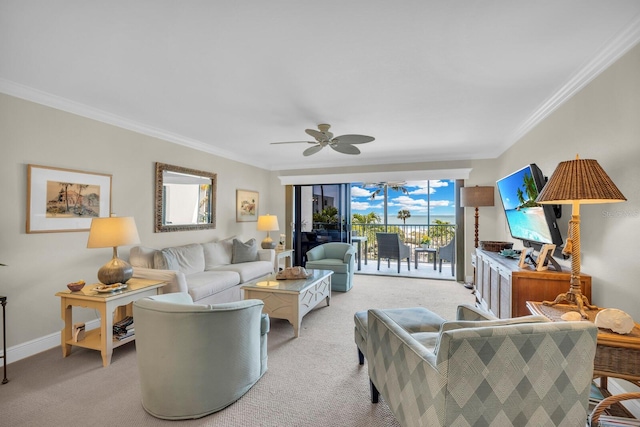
447, 253
391, 247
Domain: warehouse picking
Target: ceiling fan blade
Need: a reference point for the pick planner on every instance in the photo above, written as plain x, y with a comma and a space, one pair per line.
354, 139
345, 148
312, 150
316, 134
296, 142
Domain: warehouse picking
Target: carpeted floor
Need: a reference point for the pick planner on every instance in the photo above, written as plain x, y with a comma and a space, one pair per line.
314, 380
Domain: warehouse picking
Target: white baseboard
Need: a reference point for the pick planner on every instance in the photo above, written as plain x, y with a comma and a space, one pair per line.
38, 345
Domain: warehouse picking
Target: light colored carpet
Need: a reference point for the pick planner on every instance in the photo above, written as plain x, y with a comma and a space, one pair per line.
314, 380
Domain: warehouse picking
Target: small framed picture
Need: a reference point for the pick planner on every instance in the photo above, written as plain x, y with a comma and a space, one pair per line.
546, 250
61, 200
247, 205
523, 257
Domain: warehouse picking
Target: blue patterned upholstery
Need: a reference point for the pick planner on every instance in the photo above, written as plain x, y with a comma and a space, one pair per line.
417, 320
513, 372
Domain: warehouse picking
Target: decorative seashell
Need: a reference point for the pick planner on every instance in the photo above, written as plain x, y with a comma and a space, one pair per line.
571, 316
616, 320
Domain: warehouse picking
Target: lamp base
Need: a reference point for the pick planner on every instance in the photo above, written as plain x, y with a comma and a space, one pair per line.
268, 243
115, 271
573, 298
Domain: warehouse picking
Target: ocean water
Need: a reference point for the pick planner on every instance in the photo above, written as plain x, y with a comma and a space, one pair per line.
421, 219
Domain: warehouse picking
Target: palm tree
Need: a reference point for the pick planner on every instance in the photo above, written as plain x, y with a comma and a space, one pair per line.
403, 215
381, 186
369, 218
65, 188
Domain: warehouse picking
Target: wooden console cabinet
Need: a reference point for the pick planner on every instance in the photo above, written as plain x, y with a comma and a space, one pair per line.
503, 288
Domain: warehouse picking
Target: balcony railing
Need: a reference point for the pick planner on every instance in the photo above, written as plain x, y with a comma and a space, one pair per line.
440, 234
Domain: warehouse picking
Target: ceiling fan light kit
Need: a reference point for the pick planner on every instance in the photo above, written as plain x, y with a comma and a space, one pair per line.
342, 144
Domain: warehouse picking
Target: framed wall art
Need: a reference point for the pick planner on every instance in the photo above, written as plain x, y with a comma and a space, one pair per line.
61, 200
247, 203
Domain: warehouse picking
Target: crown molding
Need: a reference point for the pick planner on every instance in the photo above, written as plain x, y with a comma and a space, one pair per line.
610, 53
47, 99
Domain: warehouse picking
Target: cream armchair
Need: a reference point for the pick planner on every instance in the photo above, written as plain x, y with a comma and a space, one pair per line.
196, 359
515, 372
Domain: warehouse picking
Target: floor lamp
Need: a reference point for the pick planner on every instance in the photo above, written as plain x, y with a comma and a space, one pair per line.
576, 182
476, 197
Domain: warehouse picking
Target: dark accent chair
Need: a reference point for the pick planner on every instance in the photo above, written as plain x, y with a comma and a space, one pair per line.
447, 253
391, 247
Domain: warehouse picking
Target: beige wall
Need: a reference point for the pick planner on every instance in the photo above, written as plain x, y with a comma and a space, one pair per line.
600, 122
39, 265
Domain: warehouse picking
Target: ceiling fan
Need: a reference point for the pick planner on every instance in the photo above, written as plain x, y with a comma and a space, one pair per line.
342, 144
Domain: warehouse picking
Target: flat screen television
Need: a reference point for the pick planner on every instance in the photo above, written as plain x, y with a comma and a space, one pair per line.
533, 223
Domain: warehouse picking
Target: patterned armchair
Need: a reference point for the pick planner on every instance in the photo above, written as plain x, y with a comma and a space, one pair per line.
514, 372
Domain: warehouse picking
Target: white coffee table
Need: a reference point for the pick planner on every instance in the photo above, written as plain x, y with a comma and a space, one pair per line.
291, 299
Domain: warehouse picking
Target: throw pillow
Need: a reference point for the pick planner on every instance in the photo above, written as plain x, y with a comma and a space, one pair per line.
244, 252
139, 256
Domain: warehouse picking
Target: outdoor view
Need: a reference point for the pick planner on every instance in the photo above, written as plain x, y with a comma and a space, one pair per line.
422, 212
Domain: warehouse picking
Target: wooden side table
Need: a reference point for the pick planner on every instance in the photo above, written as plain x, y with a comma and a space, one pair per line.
106, 303
3, 301
617, 356
287, 255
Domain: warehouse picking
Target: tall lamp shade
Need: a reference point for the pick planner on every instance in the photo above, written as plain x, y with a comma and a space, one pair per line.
112, 232
268, 223
576, 182
475, 197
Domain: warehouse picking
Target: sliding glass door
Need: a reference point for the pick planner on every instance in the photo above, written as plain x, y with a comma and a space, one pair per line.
322, 213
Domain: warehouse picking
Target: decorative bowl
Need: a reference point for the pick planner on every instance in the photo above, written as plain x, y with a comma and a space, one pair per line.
493, 246
75, 286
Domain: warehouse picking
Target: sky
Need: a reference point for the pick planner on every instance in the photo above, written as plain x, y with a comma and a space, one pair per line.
440, 199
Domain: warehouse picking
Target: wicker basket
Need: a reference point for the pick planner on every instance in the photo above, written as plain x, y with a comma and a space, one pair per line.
492, 246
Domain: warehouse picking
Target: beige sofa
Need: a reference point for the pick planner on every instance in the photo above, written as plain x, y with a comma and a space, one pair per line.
211, 273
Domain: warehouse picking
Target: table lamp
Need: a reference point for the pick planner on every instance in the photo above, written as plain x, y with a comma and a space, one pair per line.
112, 232
268, 223
575, 182
476, 197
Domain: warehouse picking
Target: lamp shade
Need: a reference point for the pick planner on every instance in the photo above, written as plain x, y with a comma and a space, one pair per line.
112, 232
582, 181
476, 196
268, 223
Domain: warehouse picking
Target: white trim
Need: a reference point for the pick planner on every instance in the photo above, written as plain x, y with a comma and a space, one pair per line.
38, 345
340, 178
610, 53
83, 110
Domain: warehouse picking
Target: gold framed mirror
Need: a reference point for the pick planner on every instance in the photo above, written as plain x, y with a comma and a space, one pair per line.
185, 199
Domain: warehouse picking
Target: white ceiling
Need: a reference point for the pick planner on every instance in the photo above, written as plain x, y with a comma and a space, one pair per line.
429, 79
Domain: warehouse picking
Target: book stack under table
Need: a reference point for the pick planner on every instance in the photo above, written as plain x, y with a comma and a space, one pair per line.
123, 329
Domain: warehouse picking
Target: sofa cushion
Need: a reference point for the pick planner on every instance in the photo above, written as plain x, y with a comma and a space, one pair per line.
188, 258
217, 253
139, 256
335, 265
206, 283
248, 270
244, 252
427, 339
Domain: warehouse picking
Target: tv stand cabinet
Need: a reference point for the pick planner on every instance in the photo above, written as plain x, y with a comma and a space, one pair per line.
503, 289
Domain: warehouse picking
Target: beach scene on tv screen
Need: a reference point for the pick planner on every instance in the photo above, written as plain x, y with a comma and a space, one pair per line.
525, 217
